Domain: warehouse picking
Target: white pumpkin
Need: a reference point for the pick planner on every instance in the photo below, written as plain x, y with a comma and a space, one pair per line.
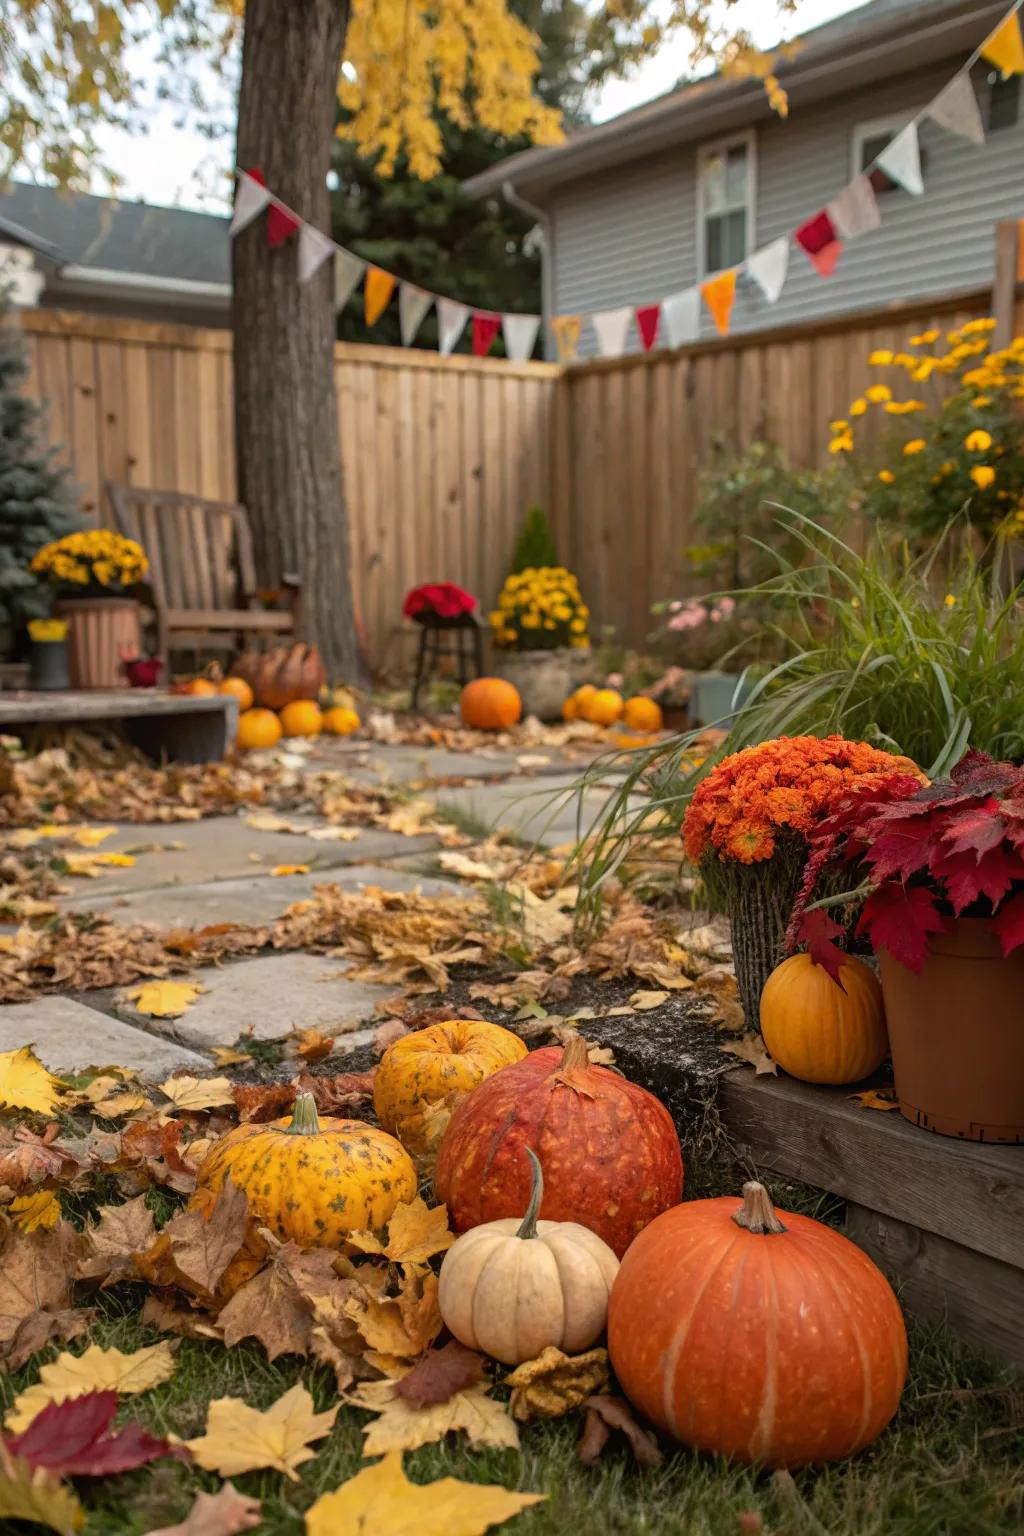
511, 1288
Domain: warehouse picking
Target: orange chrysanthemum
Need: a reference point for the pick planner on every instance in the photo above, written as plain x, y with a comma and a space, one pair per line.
789, 784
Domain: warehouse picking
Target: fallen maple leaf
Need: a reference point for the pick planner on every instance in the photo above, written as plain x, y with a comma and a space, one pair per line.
275, 1306
875, 1098
401, 1326
25, 1082
90, 864
95, 1370
727, 1010
198, 1093
34, 1277
162, 999
605, 1414
42, 1328
339, 1092
440, 1374
242, 1439
227, 1056
381, 1498
28, 1493
112, 1244
224, 1513
415, 1234
404, 1426
555, 1383
204, 1242
73, 1439
26, 1158
312, 1044
290, 869
750, 1048
645, 1001
41, 1209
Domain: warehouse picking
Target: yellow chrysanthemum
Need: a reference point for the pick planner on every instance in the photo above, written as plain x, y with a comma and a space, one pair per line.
886, 476
916, 445
978, 441
880, 357
858, 406
876, 393
983, 476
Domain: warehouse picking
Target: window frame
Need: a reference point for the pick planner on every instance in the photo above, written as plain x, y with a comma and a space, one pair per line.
893, 123
748, 138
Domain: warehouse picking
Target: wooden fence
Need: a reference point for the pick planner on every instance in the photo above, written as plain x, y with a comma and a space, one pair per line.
442, 455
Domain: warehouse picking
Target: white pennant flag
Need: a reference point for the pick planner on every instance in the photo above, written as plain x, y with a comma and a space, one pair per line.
854, 210
768, 267
956, 108
902, 160
451, 321
348, 269
520, 333
413, 304
314, 249
612, 327
250, 200
680, 314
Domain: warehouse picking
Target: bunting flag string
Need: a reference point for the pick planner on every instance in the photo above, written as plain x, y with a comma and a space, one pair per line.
852, 212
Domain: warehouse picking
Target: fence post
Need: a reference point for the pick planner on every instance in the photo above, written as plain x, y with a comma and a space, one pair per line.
1009, 271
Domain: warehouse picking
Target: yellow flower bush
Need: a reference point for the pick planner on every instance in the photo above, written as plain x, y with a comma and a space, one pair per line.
93, 558
540, 609
963, 449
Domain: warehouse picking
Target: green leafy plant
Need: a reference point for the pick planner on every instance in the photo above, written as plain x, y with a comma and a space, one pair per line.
535, 547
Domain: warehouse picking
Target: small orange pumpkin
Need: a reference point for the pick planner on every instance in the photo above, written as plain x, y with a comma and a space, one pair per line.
302, 717
197, 687
339, 720
257, 730
822, 1031
490, 704
604, 708
241, 690
422, 1076
642, 714
571, 708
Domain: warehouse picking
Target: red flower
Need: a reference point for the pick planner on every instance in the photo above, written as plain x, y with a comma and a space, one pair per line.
442, 598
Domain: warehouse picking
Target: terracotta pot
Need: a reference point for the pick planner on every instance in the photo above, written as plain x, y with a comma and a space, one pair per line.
957, 1035
100, 631
544, 679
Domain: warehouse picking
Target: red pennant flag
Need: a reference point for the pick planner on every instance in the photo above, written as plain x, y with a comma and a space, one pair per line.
280, 224
827, 258
647, 318
485, 328
820, 241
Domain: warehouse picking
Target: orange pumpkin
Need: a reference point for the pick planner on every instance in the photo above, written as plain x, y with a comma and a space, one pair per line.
422, 1076
197, 687
604, 708
490, 704
258, 729
571, 708
302, 717
339, 720
241, 690
756, 1334
821, 1031
608, 1148
582, 697
642, 714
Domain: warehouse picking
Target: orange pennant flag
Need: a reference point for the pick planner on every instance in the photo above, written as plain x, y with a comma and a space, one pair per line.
566, 329
377, 290
718, 294
1005, 47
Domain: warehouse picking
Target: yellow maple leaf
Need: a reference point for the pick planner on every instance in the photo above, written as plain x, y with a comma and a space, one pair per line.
89, 863
41, 1209
198, 1092
25, 1082
96, 1370
416, 1233
242, 1439
227, 1056
33, 1494
381, 1498
404, 1426
163, 999
119, 1104
290, 869
875, 1098
91, 837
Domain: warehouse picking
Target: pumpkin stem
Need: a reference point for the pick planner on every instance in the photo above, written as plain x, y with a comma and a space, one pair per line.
529, 1222
574, 1054
757, 1214
305, 1121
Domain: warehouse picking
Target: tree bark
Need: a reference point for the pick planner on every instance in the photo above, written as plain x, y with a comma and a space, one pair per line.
286, 421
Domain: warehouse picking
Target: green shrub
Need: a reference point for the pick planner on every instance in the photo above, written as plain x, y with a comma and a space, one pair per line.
535, 547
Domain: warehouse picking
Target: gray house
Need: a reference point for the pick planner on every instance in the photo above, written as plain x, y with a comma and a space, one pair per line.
660, 197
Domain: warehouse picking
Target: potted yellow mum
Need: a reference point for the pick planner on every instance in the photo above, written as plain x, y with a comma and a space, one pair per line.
540, 627
94, 573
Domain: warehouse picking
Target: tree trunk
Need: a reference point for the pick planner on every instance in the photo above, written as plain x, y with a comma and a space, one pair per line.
286, 422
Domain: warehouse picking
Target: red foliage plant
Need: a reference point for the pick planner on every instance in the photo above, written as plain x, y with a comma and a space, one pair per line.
949, 849
443, 599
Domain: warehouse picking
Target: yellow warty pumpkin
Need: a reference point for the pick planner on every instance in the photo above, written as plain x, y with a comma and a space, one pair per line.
432, 1070
512, 1288
313, 1181
819, 1031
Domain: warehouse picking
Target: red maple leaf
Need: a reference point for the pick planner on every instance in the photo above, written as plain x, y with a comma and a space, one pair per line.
979, 774
73, 1439
899, 918
817, 930
975, 830
967, 879
1008, 923
902, 848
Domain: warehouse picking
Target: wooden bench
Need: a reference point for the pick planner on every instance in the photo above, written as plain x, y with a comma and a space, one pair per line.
202, 572
170, 727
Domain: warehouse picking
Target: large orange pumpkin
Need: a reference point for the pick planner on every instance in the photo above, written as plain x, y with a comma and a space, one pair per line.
432, 1070
608, 1148
490, 704
821, 1031
756, 1334
642, 714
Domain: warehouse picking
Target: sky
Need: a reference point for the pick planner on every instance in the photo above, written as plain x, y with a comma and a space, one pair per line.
174, 163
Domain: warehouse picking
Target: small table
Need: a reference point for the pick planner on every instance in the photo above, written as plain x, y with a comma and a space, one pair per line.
171, 727
461, 637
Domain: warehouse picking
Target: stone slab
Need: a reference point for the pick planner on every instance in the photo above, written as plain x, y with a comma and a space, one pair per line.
537, 810
68, 1035
406, 765
257, 899
270, 997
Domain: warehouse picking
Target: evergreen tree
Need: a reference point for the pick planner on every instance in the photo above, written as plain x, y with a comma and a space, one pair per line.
535, 547
36, 503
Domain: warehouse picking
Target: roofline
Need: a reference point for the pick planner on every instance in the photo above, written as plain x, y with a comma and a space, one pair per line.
175, 290
22, 236
692, 111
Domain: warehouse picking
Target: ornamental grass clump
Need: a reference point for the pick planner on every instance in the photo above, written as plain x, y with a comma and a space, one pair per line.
749, 826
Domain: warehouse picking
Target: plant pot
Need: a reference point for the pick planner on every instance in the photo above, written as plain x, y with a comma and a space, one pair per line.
957, 1035
545, 679
49, 665
100, 631
714, 699
759, 907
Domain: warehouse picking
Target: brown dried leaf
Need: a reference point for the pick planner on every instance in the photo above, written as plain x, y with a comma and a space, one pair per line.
727, 1011
203, 1246
165, 1317
42, 1328
29, 1159
875, 1098
555, 1383
223, 1513
312, 1044
113, 1243
259, 1102
404, 1325
750, 1048
35, 1276
605, 1414
341, 1092
440, 1374
415, 1234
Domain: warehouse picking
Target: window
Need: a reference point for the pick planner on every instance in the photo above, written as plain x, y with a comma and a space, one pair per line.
869, 140
725, 203
1003, 101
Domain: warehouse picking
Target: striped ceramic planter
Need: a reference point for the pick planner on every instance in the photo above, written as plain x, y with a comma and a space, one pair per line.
101, 631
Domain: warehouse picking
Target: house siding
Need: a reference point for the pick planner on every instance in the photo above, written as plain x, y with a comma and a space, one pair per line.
629, 237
